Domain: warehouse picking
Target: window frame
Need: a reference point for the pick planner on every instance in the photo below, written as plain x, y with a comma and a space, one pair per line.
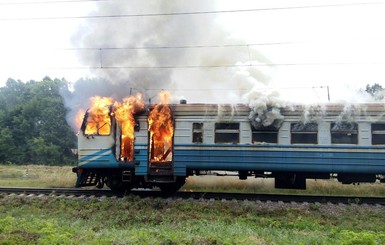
268, 130
196, 132
306, 135
86, 123
349, 134
378, 133
220, 131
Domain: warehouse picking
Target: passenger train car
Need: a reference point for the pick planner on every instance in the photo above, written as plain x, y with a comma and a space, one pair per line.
302, 142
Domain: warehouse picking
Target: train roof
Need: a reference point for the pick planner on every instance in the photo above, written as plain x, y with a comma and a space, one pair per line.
289, 109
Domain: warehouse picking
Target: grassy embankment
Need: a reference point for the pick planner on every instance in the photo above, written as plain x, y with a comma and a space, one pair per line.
131, 220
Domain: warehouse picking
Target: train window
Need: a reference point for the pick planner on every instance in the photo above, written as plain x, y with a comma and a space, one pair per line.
304, 133
378, 134
96, 125
197, 133
344, 133
268, 134
227, 133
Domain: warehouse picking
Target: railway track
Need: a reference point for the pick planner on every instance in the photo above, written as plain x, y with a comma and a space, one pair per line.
74, 192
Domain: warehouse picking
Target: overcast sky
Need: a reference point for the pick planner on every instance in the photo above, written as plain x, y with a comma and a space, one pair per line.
299, 47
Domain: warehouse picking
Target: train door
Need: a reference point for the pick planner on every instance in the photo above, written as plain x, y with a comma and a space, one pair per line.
160, 144
125, 115
122, 178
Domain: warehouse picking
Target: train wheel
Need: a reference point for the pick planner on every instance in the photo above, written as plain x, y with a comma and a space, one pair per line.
290, 181
171, 188
115, 184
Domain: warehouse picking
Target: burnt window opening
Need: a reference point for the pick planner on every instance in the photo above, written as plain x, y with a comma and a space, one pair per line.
96, 124
268, 134
227, 133
378, 134
127, 139
344, 133
304, 133
97, 128
197, 133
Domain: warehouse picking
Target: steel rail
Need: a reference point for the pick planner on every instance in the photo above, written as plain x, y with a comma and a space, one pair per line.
200, 195
59, 191
286, 198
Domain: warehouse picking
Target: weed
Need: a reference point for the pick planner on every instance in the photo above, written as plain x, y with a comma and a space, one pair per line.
166, 221
361, 238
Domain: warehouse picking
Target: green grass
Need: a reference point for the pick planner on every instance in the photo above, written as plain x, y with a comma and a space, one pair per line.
62, 176
253, 185
38, 176
132, 220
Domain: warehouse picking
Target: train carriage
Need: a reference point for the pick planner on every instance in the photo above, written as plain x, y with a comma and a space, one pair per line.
298, 143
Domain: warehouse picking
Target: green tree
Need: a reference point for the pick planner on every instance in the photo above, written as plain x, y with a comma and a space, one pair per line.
42, 152
32, 121
8, 149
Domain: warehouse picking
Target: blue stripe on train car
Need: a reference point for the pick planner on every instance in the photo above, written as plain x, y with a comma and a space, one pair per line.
100, 159
327, 159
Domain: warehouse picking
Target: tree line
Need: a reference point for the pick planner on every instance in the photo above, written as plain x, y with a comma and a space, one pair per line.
33, 128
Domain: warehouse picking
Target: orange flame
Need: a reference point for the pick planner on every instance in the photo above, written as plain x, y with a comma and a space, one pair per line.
161, 128
98, 120
79, 118
160, 124
124, 113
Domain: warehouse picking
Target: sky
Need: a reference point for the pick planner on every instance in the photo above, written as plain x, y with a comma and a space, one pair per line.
221, 51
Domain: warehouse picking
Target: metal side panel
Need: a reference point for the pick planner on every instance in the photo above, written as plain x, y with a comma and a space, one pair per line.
141, 160
96, 151
331, 159
180, 169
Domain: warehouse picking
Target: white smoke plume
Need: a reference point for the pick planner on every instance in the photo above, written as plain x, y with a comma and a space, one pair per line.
265, 108
313, 113
122, 49
126, 57
128, 65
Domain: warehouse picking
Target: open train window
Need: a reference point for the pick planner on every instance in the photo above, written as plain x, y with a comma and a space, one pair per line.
197, 133
227, 133
344, 133
304, 133
95, 124
378, 134
268, 134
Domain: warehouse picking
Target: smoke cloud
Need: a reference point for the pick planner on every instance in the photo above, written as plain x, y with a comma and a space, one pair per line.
125, 55
199, 74
124, 63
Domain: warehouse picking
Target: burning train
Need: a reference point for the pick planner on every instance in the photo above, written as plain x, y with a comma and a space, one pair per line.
133, 145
